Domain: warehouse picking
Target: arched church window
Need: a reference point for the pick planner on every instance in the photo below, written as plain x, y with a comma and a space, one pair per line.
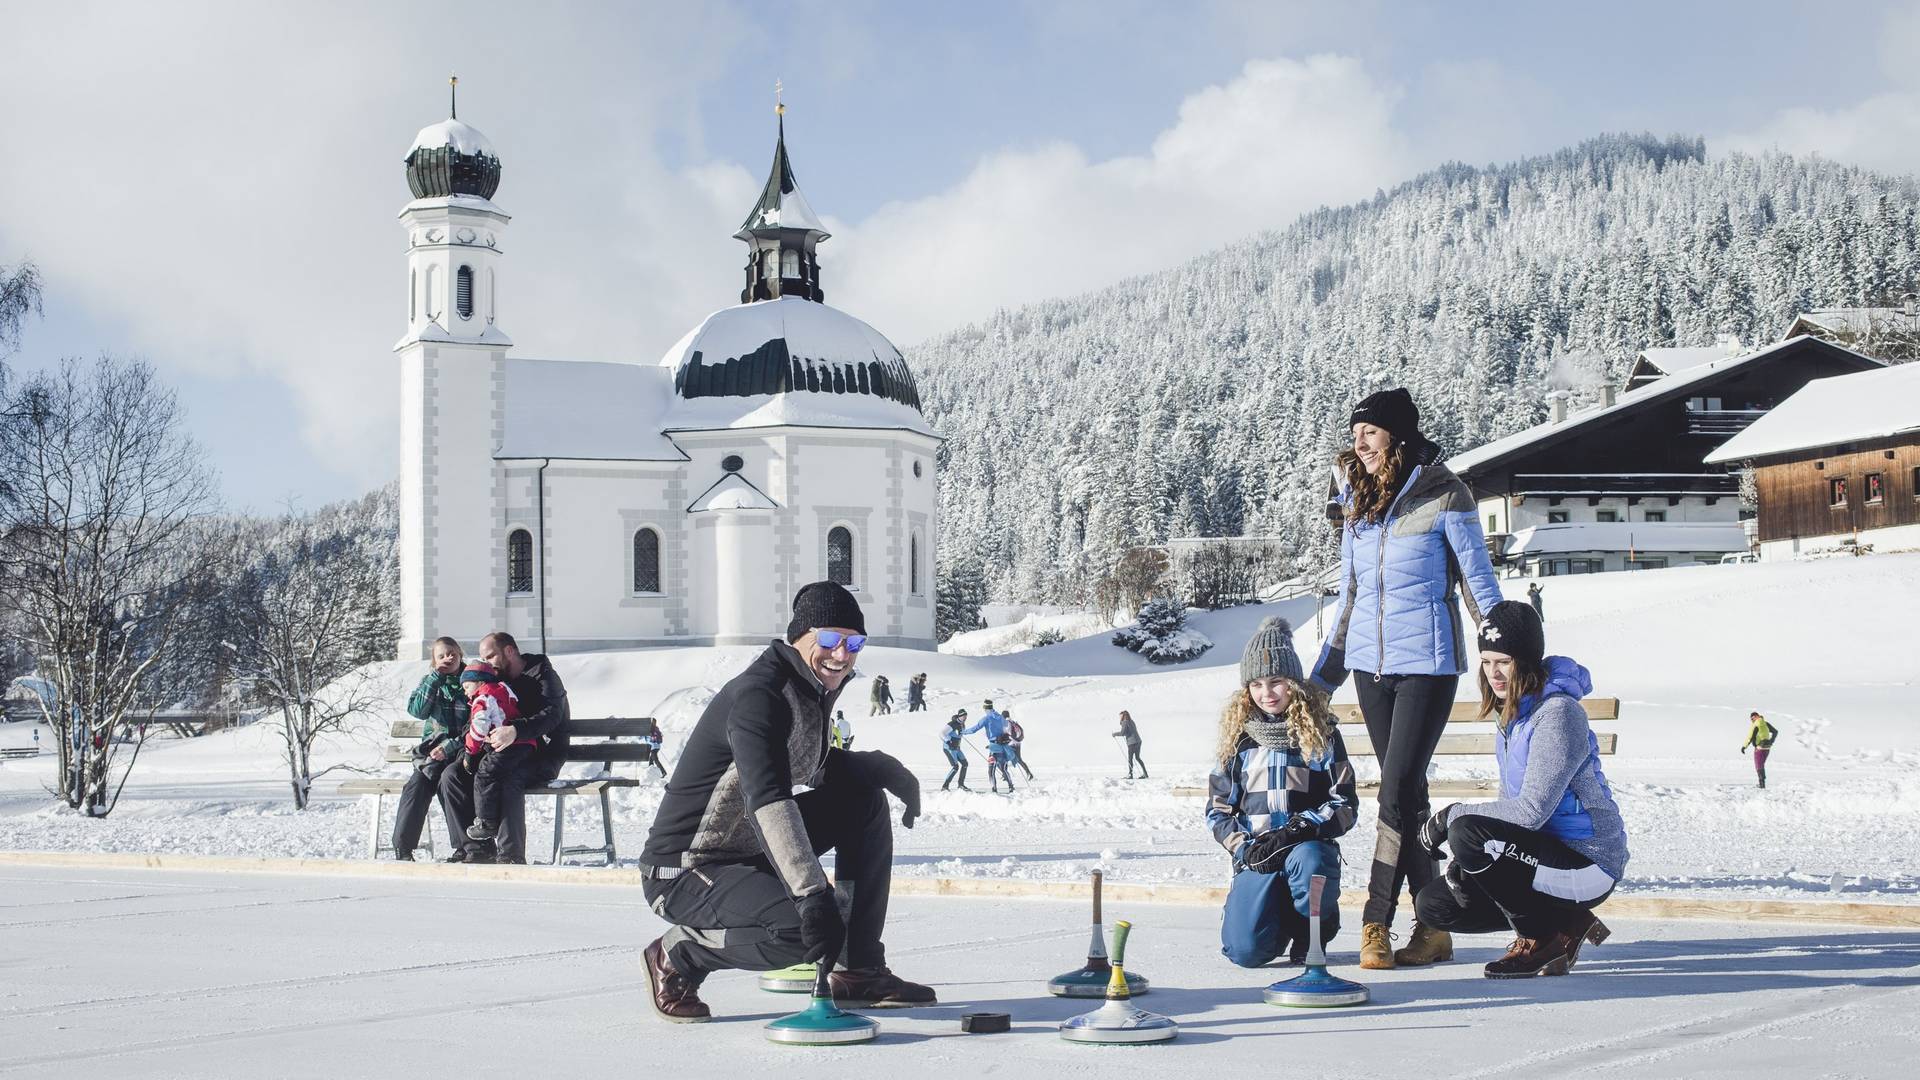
770, 265
840, 555
646, 561
433, 291
493, 296
790, 263
519, 561
413, 295
913, 564
463, 292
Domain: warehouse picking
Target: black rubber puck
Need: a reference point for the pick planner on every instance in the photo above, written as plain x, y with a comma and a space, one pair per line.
986, 1023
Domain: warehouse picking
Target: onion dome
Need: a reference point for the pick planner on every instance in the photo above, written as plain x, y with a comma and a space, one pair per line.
452, 158
793, 347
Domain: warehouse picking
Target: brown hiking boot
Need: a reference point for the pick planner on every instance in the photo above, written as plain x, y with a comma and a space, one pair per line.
1527, 957
1376, 947
1587, 927
1427, 947
675, 997
877, 988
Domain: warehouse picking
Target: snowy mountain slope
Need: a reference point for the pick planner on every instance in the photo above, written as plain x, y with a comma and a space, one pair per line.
1822, 647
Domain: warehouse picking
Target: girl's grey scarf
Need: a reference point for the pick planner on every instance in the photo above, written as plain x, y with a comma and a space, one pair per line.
1270, 733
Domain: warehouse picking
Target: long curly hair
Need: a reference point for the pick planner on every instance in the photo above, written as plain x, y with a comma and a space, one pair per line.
1309, 720
1373, 493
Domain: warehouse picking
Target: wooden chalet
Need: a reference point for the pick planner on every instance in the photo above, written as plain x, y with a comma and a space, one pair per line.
1626, 485
1837, 464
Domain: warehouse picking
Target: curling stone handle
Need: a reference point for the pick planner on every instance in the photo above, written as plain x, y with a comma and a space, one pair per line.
1314, 887
1096, 898
1120, 931
822, 986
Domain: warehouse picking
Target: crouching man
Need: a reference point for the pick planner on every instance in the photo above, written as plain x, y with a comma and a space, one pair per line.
733, 860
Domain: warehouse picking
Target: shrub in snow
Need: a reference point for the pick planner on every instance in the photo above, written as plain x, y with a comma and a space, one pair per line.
1048, 637
1160, 634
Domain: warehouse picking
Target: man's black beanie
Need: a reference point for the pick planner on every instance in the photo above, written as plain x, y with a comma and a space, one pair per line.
824, 604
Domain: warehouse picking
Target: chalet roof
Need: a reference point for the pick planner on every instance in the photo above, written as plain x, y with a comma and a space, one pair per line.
1854, 321
1674, 361
1653, 536
1484, 457
1841, 409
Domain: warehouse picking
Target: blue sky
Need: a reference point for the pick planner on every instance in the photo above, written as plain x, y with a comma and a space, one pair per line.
213, 186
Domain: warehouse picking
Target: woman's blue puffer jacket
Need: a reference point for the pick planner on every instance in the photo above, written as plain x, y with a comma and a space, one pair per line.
1397, 608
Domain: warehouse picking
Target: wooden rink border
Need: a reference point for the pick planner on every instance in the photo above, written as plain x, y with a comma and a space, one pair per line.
1828, 912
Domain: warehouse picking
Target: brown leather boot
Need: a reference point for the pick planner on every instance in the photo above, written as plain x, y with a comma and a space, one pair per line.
1527, 957
675, 997
1586, 927
1376, 947
1428, 946
877, 988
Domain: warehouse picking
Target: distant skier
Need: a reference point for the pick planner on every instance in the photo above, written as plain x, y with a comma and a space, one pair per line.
881, 697
1016, 736
998, 743
1129, 733
842, 731
917, 693
1533, 597
1280, 792
1552, 847
1760, 736
950, 745
654, 742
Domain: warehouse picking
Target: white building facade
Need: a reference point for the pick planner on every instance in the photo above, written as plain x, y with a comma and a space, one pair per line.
597, 505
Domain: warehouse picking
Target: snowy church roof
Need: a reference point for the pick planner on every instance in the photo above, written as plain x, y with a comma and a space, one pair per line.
1845, 408
781, 206
790, 361
587, 411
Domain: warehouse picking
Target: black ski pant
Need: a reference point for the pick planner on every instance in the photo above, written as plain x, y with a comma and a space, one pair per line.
1020, 759
1509, 876
1133, 755
458, 793
956, 763
739, 915
1406, 715
422, 788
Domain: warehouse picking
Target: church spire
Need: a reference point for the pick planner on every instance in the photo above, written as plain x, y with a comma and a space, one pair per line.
781, 231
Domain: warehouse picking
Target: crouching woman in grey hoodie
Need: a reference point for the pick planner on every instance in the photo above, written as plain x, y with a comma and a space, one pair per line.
1541, 857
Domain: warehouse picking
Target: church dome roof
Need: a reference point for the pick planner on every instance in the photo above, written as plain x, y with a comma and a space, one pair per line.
452, 157
792, 361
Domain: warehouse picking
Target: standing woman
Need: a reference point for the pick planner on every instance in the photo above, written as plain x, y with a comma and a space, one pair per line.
1129, 733
1410, 539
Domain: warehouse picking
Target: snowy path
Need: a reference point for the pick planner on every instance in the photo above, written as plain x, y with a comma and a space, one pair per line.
150, 974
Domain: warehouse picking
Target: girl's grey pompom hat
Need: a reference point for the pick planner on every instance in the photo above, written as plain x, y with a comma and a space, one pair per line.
1270, 653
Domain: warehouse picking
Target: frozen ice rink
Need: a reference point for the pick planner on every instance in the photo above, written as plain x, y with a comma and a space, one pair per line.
142, 973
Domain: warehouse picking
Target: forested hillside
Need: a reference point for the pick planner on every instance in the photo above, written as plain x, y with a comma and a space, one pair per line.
1207, 400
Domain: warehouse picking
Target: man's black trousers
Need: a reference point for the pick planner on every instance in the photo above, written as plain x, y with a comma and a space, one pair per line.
739, 915
410, 818
1509, 876
457, 794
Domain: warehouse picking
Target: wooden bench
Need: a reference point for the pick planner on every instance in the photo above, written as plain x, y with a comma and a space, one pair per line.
1455, 745
619, 739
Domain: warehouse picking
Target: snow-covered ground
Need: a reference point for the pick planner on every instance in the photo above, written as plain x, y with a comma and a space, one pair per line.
144, 973
1824, 648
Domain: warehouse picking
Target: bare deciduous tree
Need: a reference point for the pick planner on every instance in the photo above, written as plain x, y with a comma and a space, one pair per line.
102, 481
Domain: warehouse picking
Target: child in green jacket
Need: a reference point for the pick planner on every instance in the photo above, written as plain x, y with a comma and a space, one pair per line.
441, 708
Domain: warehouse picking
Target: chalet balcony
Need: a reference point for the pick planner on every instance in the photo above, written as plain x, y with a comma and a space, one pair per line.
1630, 486
1720, 423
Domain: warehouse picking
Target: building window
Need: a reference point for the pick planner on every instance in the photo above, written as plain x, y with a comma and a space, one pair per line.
1656, 515
913, 564
1556, 517
463, 292
790, 263
646, 561
1493, 524
1837, 492
519, 561
413, 295
1876, 485
1916, 481
433, 291
493, 296
1605, 516
840, 556
732, 463
1648, 562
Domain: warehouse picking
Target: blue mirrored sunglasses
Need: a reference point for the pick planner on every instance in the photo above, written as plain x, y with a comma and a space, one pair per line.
831, 639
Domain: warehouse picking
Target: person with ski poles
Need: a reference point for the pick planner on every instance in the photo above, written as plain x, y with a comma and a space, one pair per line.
1016, 735
1410, 543
950, 745
1280, 794
1129, 734
997, 742
1760, 736
1552, 847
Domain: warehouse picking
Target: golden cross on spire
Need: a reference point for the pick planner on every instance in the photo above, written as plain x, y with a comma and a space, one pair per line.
779, 107
453, 96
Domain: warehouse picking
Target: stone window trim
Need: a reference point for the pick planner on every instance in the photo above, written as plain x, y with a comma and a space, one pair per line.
633, 528
854, 519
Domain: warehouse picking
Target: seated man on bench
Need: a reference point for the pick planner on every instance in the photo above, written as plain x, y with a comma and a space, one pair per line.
733, 859
543, 717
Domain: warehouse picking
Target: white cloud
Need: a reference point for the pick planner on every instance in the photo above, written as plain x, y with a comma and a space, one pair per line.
1283, 137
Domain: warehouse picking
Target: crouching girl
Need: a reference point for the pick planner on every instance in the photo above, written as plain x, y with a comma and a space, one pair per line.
1280, 793
1550, 849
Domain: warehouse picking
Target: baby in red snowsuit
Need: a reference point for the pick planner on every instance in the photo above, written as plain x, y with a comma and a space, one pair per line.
491, 704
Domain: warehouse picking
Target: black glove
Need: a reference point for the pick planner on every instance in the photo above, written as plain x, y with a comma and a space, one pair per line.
876, 769
1433, 832
821, 929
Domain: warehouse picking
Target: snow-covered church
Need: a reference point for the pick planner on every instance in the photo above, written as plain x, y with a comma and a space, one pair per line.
594, 505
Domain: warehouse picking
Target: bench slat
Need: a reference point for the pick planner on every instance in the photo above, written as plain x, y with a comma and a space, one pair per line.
604, 726
392, 785
400, 754
1473, 744
1468, 712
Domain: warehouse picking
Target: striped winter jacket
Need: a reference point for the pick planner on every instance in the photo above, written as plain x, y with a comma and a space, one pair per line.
1262, 789
1397, 612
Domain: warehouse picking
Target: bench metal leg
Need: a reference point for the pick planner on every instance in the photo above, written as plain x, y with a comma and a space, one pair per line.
559, 827
606, 822
373, 831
